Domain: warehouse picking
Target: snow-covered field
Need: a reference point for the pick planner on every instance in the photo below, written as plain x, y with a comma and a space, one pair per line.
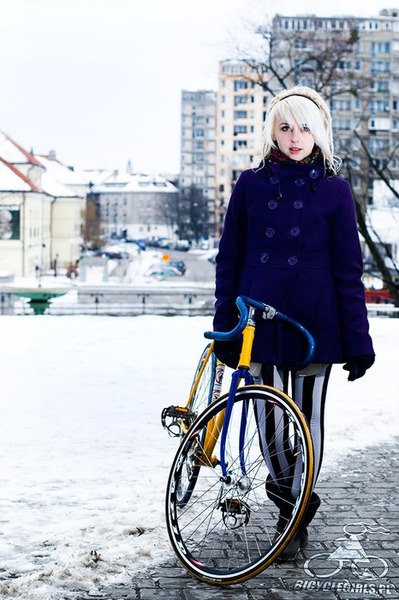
83, 456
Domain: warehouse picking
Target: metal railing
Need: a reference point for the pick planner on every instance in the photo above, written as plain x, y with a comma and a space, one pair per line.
168, 302
121, 302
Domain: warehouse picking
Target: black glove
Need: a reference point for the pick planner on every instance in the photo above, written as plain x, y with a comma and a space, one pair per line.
358, 365
228, 352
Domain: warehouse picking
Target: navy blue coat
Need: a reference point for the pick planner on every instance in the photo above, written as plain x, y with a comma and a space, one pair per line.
290, 239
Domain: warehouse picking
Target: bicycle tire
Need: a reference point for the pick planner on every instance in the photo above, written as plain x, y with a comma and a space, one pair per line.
202, 394
226, 533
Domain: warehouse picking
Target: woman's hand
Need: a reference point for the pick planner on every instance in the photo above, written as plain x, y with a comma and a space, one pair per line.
228, 352
358, 365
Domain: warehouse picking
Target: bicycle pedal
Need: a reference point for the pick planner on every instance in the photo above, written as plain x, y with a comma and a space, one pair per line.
177, 419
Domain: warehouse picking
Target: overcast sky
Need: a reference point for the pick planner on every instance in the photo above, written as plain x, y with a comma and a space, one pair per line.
99, 81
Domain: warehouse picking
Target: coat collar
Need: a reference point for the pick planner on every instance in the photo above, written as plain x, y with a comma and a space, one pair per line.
271, 171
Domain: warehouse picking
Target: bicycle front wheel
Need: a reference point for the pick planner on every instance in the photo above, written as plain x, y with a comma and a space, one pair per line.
230, 528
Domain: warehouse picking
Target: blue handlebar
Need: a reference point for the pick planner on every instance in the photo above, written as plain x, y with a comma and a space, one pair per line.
269, 312
225, 336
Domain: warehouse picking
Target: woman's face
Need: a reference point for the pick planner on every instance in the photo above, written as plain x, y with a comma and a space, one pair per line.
294, 141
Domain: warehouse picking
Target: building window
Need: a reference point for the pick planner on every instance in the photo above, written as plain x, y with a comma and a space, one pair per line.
379, 85
240, 114
240, 100
342, 124
344, 144
239, 144
380, 66
240, 84
376, 145
345, 65
240, 129
380, 48
341, 105
378, 106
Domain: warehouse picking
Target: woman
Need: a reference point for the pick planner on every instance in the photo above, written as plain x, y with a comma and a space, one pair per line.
290, 240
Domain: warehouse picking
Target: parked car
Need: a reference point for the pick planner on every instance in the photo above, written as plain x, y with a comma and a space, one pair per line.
378, 296
374, 288
112, 254
183, 245
178, 264
165, 272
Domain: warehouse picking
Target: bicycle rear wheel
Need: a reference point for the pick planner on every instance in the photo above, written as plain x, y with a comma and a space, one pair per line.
202, 388
226, 531
205, 388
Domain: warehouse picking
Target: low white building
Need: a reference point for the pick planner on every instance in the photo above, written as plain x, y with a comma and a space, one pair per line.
136, 205
40, 217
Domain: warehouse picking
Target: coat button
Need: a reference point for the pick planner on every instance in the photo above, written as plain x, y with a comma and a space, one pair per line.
272, 204
298, 204
269, 232
274, 180
313, 174
264, 257
292, 260
295, 230
299, 182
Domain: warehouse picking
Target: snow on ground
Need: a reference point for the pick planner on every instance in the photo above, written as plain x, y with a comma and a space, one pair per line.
83, 456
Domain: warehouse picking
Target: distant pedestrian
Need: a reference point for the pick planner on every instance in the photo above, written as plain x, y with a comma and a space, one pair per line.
290, 239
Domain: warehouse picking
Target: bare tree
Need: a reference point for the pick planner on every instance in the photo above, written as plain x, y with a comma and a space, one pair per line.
329, 65
187, 214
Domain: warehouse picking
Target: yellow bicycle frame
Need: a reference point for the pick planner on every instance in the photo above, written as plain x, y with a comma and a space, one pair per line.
215, 426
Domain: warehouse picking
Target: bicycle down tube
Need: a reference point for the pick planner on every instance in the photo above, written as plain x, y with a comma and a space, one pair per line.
246, 326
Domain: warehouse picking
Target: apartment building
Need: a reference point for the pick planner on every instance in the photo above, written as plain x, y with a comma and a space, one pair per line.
370, 68
241, 105
198, 146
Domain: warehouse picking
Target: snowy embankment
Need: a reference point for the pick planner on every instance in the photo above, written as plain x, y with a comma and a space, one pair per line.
84, 459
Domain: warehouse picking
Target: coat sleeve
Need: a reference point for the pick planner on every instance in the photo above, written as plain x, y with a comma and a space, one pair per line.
229, 259
347, 269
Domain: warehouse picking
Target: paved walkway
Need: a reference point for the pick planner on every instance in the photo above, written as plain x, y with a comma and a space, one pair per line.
363, 497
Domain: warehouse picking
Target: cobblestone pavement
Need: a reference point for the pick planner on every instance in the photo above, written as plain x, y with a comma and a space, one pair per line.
361, 496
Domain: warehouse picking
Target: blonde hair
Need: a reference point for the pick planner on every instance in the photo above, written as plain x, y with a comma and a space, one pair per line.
306, 107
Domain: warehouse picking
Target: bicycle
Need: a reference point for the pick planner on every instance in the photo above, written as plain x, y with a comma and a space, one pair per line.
224, 487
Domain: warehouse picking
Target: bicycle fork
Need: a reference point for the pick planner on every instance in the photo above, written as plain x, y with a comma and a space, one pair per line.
241, 373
